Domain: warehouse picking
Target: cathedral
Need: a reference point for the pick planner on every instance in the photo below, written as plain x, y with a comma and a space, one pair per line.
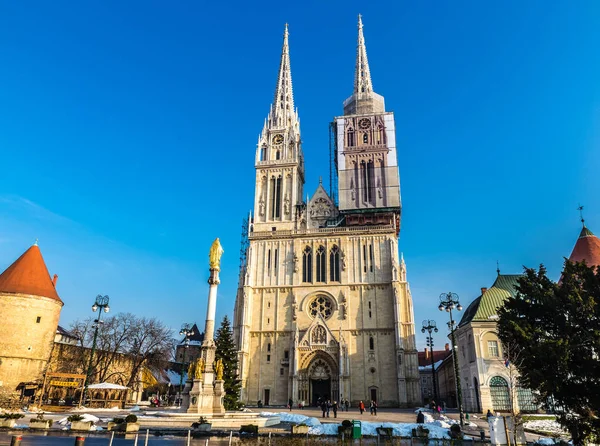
323, 308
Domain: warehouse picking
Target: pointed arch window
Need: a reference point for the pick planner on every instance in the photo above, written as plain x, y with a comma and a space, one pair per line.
277, 155
334, 264
321, 262
371, 343
307, 264
365, 138
275, 197
263, 154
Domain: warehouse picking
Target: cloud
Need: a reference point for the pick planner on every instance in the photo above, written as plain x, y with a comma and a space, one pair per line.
34, 210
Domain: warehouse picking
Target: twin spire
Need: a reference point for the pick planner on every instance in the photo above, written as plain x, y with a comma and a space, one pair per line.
362, 74
283, 114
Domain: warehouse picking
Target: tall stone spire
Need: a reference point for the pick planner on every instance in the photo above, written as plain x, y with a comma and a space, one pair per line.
362, 74
364, 99
283, 113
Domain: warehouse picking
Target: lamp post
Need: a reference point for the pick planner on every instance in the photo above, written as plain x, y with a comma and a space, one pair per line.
101, 303
449, 301
187, 331
429, 326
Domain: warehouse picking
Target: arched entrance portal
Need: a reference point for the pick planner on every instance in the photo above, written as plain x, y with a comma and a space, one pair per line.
319, 374
318, 379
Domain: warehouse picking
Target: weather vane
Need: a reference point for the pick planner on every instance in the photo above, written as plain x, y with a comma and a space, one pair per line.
580, 209
498, 267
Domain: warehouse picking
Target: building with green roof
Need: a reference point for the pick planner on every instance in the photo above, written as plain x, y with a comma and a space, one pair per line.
483, 371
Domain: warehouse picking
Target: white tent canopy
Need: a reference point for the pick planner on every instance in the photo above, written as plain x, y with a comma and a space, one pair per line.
107, 386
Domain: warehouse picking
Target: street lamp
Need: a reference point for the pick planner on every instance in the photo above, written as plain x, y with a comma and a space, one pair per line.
429, 326
101, 303
448, 302
187, 331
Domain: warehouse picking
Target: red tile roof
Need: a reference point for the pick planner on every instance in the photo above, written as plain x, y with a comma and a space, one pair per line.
438, 355
586, 248
28, 275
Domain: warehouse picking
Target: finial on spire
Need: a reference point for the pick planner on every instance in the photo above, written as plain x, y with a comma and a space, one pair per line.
498, 267
320, 180
36, 242
362, 74
580, 209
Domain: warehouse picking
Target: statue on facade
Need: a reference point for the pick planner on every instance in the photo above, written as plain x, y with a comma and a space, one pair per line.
219, 369
214, 256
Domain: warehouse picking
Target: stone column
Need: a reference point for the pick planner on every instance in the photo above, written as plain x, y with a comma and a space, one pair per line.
209, 328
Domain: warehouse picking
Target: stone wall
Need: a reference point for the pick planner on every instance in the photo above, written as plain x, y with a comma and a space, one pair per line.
26, 337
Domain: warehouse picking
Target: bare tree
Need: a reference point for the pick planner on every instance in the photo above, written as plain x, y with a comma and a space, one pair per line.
125, 344
512, 362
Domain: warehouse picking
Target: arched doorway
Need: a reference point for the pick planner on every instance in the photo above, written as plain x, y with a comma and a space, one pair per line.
499, 393
319, 375
318, 378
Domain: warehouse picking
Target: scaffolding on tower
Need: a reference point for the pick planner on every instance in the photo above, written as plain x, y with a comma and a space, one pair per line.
244, 248
333, 168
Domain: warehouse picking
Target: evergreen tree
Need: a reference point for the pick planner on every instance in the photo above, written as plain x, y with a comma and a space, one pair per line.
227, 352
555, 328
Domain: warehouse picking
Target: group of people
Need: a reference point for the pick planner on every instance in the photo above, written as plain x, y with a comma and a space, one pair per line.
372, 407
437, 408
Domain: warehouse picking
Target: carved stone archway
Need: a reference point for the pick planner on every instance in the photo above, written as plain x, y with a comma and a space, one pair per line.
318, 377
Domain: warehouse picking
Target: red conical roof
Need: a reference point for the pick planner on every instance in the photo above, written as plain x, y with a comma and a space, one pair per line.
28, 275
586, 248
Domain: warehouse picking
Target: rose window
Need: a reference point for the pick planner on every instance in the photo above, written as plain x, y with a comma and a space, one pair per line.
321, 305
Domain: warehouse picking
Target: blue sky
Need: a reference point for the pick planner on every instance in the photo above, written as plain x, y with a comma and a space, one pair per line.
128, 132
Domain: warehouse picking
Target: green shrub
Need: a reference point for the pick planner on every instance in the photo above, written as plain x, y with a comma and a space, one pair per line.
75, 417
249, 429
118, 420
11, 416
131, 418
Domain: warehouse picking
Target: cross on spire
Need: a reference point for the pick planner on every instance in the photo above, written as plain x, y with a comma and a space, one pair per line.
580, 209
362, 74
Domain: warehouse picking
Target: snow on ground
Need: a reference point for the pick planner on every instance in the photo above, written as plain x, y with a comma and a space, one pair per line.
437, 429
442, 420
87, 409
544, 426
66, 424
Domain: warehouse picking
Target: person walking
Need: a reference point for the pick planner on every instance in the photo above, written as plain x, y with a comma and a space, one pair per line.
328, 407
374, 407
334, 406
347, 404
324, 407
290, 404
361, 407
371, 407
420, 418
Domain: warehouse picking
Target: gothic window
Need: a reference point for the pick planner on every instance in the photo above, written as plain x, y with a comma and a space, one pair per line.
371, 258
277, 155
350, 138
363, 177
275, 261
321, 305
269, 261
268, 347
263, 154
307, 265
320, 260
365, 258
318, 335
275, 197
370, 182
365, 138
371, 343
334, 264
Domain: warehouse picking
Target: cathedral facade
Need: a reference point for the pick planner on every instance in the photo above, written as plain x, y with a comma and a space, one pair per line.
324, 308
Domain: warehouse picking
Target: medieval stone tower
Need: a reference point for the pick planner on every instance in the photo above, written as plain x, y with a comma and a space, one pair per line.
324, 309
30, 309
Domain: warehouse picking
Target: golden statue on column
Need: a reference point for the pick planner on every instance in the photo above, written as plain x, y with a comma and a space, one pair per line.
214, 256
